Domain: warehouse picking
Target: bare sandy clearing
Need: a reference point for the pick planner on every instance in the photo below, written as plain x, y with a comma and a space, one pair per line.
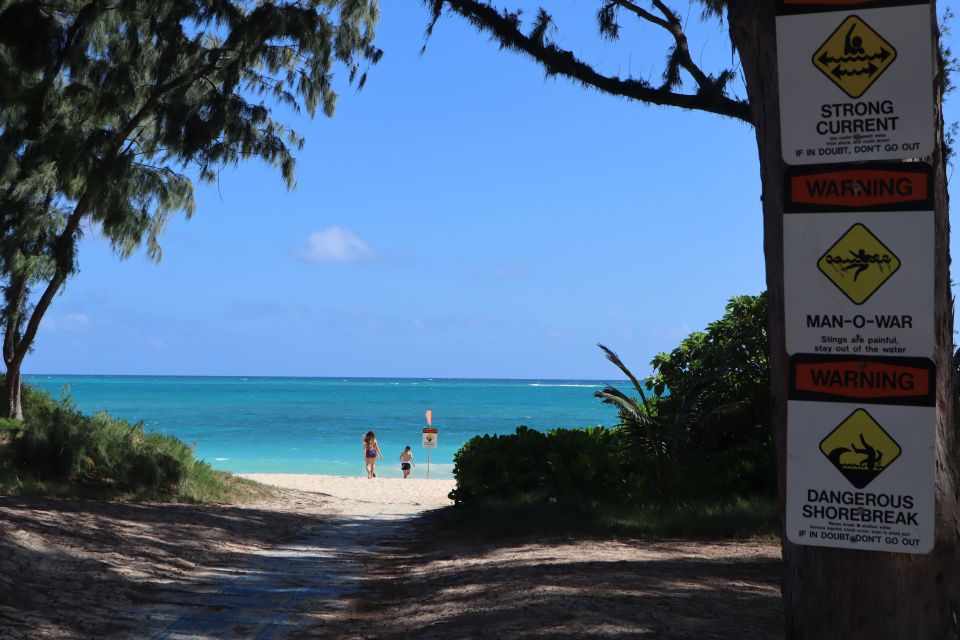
335, 563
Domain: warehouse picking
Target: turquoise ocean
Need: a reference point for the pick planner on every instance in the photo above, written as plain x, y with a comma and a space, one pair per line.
315, 425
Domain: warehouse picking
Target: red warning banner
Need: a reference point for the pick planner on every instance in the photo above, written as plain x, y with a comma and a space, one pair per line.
810, 6
851, 3
904, 381
876, 187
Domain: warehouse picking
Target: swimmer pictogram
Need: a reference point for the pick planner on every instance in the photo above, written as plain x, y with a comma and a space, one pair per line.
858, 263
860, 449
854, 56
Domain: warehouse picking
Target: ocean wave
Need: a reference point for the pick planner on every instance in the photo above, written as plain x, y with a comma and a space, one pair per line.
221, 459
588, 386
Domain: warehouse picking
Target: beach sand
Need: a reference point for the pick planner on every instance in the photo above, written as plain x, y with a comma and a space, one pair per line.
360, 495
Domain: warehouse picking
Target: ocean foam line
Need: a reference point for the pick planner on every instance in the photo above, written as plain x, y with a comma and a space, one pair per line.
588, 386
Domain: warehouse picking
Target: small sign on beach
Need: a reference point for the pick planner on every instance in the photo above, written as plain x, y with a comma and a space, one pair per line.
429, 438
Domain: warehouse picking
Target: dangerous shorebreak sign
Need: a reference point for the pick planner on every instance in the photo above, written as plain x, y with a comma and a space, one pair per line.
861, 476
856, 81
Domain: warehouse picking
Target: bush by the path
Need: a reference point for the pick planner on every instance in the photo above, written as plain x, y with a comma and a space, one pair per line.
560, 465
695, 432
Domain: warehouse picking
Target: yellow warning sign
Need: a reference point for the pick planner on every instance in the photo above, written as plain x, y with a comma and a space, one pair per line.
854, 56
860, 449
858, 263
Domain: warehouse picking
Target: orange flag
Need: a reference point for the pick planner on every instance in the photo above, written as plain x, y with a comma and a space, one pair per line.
429, 418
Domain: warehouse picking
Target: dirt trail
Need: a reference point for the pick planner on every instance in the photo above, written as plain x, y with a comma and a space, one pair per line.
92, 569
315, 565
273, 592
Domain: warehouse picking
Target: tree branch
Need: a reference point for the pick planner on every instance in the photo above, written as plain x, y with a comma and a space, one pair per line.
642, 13
556, 61
683, 47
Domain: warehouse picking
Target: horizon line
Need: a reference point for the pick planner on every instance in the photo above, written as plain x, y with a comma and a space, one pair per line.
300, 377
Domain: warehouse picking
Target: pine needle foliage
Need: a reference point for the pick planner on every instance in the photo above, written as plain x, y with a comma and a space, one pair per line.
685, 83
108, 107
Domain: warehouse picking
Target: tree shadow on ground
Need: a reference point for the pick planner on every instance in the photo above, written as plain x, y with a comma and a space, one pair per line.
85, 568
442, 586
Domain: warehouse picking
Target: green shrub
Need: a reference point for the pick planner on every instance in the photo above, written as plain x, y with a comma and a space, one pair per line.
58, 443
57, 450
561, 465
700, 425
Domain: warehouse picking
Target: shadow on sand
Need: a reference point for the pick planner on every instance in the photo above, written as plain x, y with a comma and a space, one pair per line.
440, 587
92, 569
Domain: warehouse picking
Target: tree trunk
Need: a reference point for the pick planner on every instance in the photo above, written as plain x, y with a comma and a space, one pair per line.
839, 593
16, 297
12, 407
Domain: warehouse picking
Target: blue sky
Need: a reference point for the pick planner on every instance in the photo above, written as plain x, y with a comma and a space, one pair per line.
462, 216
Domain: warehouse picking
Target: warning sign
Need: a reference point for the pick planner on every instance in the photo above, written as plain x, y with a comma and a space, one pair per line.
859, 284
813, 6
854, 56
858, 263
856, 87
860, 449
429, 438
875, 187
904, 381
861, 479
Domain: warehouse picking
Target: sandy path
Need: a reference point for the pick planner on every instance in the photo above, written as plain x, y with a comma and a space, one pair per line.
274, 591
95, 569
363, 497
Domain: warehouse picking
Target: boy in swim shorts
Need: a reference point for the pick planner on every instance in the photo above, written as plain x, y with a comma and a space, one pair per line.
406, 461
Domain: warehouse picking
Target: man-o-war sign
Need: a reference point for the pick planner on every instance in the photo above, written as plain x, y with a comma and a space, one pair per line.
859, 283
859, 260
856, 81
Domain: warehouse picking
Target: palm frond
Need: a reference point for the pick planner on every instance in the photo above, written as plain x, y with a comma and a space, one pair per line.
618, 363
626, 405
691, 402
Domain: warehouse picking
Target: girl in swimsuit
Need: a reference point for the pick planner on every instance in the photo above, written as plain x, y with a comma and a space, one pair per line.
406, 461
371, 453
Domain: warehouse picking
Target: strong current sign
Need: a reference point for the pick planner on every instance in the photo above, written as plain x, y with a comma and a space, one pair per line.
856, 84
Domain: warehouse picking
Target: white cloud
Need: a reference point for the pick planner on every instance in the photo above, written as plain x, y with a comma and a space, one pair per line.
336, 244
69, 323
